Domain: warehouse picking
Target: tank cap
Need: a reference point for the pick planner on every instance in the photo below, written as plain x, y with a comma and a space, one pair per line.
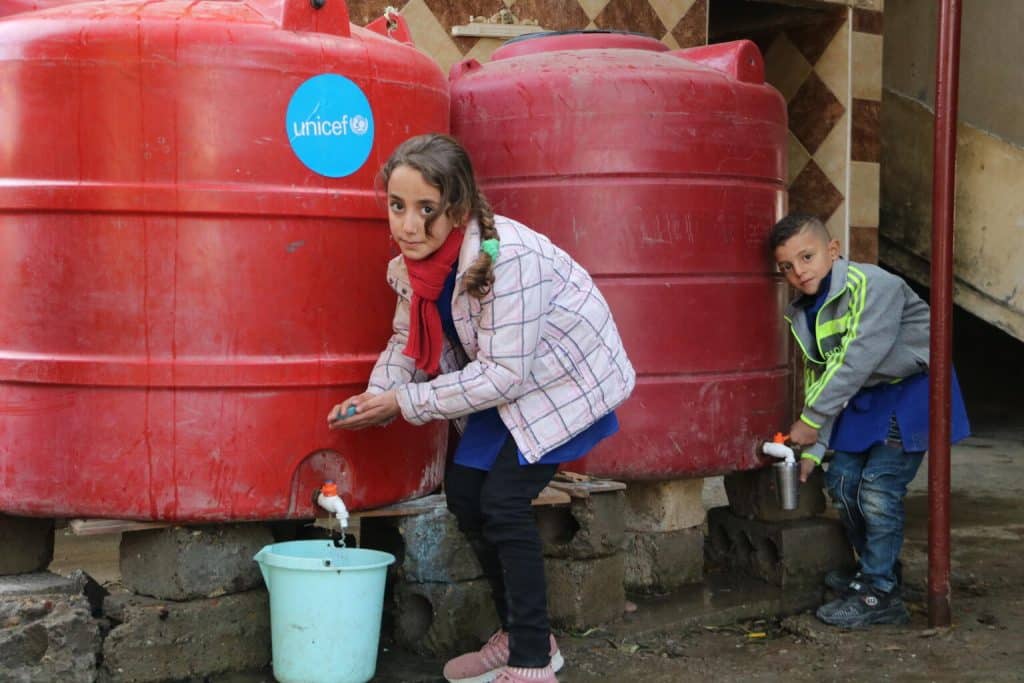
738, 59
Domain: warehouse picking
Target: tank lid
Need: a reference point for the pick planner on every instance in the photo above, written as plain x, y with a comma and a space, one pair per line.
551, 41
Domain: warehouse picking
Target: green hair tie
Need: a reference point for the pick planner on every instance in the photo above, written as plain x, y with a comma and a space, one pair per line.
490, 247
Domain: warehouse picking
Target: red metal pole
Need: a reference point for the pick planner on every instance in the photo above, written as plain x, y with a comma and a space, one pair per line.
943, 192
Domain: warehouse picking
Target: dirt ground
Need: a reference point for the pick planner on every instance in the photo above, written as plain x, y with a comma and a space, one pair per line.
983, 644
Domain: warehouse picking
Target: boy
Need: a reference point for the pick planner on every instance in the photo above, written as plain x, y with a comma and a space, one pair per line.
864, 336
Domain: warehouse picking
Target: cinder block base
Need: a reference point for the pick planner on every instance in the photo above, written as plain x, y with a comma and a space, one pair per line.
444, 619
180, 563
157, 640
661, 562
664, 505
585, 593
787, 553
753, 495
47, 632
587, 528
433, 549
27, 544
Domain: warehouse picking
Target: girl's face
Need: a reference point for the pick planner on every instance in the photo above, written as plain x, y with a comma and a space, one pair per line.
411, 202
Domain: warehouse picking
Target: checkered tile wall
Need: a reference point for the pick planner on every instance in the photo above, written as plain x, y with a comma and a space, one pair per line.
677, 23
830, 73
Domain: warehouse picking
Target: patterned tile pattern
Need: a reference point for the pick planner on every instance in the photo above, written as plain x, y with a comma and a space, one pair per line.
812, 192
827, 64
864, 243
814, 112
867, 21
692, 29
865, 137
677, 23
808, 61
561, 16
640, 17
812, 39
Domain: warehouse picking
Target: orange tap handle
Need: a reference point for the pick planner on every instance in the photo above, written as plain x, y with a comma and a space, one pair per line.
329, 489
780, 437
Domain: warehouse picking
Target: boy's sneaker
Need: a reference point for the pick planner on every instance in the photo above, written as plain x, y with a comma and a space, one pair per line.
516, 674
485, 664
839, 581
865, 607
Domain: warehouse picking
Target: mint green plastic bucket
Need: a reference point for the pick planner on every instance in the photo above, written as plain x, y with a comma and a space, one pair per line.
325, 610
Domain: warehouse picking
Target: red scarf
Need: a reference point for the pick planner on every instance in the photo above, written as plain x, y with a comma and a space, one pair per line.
427, 278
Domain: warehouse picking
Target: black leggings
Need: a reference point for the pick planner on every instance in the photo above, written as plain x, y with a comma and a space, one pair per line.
494, 512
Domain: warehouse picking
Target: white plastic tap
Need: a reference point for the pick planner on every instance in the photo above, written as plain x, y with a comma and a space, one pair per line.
329, 500
777, 448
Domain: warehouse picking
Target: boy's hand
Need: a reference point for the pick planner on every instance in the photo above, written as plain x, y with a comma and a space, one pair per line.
803, 434
806, 467
370, 410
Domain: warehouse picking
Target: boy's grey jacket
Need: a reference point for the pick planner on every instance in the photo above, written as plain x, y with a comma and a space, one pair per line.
871, 329
541, 346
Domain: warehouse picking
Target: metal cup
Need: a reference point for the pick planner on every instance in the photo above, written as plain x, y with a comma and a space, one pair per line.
787, 484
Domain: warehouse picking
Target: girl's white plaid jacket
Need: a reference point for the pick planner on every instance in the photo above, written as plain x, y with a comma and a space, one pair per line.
541, 346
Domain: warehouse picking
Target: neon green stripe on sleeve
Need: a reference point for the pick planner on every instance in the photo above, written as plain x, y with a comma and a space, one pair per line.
808, 421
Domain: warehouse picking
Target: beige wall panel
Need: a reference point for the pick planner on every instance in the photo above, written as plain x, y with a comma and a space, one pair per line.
989, 224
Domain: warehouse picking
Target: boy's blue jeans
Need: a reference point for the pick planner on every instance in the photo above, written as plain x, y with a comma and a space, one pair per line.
868, 489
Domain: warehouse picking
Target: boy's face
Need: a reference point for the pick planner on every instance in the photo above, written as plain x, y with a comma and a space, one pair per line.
805, 259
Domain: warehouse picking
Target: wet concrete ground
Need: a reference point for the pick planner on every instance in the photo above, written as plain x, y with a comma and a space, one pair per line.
730, 631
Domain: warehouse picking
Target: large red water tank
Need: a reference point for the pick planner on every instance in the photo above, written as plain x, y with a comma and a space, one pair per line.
192, 258
661, 172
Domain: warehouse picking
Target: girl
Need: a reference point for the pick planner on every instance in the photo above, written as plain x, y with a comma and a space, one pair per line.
496, 324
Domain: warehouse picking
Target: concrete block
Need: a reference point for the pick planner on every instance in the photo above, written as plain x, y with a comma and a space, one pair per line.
180, 563
37, 583
47, 636
664, 505
585, 529
434, 550
155, 640
796, 552
27, 544
585, 593
753, 495
444, 619
662, 561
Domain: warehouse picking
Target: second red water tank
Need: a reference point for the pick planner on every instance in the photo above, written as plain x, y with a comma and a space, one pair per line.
661, 172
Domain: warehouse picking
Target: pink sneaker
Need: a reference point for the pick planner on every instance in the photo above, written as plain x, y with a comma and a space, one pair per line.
485, 664
517, 674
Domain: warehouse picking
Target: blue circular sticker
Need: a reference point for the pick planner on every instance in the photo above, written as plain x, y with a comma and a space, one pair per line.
330, 125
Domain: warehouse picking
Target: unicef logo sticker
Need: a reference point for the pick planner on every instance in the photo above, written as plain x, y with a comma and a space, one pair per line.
330, 125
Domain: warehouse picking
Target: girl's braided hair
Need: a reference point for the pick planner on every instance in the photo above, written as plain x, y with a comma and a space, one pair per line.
444, 164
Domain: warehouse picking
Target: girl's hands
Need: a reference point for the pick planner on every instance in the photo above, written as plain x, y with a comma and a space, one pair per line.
370, 410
